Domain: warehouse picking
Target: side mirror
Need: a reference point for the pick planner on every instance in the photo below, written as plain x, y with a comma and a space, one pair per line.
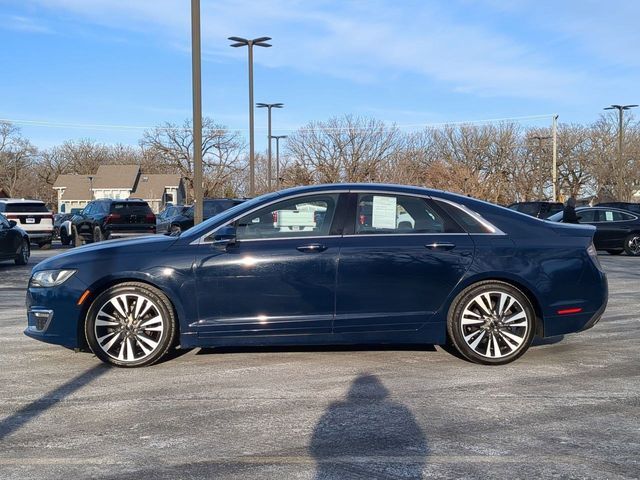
12, 223
225, 236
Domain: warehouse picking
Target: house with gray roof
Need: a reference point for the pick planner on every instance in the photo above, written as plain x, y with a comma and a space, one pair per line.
119, 182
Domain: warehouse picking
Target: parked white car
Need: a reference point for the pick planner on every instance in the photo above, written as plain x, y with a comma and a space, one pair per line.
32, 216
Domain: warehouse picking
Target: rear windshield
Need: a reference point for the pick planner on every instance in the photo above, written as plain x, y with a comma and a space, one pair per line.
26, 208
130, 208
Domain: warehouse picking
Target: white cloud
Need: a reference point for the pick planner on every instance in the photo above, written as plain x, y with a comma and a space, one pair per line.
373, 41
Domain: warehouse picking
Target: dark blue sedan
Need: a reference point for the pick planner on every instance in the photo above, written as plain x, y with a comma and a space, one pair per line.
328, 264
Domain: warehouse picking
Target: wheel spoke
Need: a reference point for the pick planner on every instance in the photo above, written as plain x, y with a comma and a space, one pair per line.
475, 343
480, 301
518, 340
151, 321
106, 323
116, 303
496, 347
517, 316
130, 352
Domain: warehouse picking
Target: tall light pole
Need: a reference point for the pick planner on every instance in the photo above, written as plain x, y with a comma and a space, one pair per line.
90, 177
269, 106
621, 109
258, 42
197, 111
540, 138
554, 173
277, 139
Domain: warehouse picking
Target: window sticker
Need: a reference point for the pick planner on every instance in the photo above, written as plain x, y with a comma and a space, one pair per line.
384, 212
608, 216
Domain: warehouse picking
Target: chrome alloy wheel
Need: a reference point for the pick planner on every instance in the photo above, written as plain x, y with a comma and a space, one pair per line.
633, 244
495, 324
129, 327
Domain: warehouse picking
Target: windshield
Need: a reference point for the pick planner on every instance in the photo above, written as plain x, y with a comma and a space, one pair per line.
205, 226
26, 208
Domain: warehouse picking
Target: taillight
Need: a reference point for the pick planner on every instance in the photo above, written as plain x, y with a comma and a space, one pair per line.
593, 254
150, 218
112, 217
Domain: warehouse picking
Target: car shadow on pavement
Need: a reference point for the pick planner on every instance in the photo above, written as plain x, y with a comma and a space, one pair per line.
539, 341
315, 348
39, 406
368, 435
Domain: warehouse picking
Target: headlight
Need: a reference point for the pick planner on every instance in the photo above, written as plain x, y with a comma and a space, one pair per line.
50, 278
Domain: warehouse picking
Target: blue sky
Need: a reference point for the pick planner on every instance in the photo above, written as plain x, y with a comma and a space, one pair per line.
127, 62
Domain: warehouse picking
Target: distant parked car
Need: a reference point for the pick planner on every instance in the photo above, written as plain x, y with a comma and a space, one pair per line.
537, 209
212, 207
32, 216
107, 218
632, 207
617, 230
14, 242
165, 217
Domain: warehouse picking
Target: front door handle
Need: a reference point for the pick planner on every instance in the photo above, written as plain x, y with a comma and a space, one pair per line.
440, 246
312, 248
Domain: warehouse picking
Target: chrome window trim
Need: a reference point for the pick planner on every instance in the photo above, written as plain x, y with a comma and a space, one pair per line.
494, 230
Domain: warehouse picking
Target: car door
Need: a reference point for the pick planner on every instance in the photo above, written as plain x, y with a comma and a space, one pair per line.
612, 228
277, 277
399, 261
83, 221
6, 238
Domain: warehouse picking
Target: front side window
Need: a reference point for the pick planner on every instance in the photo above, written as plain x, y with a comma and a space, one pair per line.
309, 216
392, 214
587, 216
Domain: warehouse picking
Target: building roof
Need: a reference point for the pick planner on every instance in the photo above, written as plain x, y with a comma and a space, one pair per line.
116, 176
76, 187
151, 186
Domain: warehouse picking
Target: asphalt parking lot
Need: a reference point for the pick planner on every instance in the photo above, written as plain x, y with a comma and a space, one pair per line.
570, 408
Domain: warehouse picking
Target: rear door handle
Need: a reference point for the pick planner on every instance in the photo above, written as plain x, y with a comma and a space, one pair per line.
440, 246
312, 248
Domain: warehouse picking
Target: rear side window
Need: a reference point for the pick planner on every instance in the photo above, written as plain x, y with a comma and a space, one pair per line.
464, 218
26, 207
211, 209
383, 213
130, 208
529, 209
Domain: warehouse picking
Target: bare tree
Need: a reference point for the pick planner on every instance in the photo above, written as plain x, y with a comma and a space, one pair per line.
16, 156
172, 146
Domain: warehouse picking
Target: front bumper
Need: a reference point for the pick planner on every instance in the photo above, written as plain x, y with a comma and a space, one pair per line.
53, 315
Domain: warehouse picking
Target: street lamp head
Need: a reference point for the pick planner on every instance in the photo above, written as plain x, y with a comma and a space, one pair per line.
239, 41
269, 105
243, 42
262, 44
620, 107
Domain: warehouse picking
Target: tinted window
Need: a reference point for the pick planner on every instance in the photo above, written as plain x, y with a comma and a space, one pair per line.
468, 222
381, 213
612, 216
529, 209
212, 208
26, 208
586, 216
3, 221
130, 208
299, 217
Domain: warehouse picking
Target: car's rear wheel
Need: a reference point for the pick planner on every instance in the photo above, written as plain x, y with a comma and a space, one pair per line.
632, 244
24, 254
614, 252
491, 322
65, 239
130, 325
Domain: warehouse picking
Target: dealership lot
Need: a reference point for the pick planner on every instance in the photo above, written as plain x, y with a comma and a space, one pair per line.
569, 408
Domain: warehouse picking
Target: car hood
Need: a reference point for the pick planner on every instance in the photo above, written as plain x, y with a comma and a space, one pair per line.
72, 257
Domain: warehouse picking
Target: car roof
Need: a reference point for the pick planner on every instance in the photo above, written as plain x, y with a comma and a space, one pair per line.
19, 200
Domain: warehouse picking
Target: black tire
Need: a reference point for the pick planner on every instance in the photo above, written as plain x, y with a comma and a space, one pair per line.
97, 234
481, 331
126, 339
25, 253
632, 245
614, 252
45, 245
65, 239
76, 237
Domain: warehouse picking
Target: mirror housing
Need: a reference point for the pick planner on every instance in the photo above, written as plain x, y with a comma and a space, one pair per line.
224, 236
12, 223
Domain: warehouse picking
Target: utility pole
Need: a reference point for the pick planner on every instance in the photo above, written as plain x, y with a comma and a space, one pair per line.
197, 111
258, 42
621, 109
540, 138
554, 173
269, 106
277, 139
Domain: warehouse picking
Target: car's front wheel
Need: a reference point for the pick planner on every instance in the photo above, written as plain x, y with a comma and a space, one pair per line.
491, 322
130, 325
65, 239
632, 244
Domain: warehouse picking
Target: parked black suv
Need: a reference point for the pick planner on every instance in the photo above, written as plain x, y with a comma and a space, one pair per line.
537, 209
631, 207
108, 218
212, 207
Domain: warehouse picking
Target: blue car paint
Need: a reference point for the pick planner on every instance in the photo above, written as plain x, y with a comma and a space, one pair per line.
549, 262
